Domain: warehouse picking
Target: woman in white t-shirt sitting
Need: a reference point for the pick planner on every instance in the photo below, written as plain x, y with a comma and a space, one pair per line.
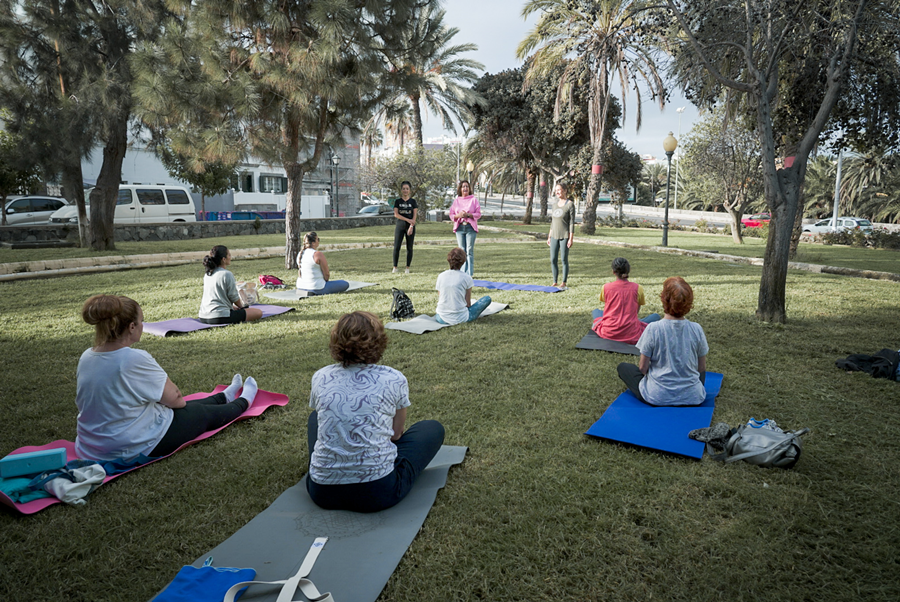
127, 405
221, 302
455, 293
314, 275
360, 458
672, 368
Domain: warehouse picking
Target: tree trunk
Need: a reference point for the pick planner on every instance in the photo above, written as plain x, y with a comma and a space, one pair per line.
105, 194
292, 233
783, 207
736, 233
416, 121
589, 217
545, 194
529, 193
73, 185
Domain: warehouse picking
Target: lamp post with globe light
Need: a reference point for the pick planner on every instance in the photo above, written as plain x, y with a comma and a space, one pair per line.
669, 145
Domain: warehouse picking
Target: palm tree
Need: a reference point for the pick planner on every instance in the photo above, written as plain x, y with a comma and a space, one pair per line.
601, 39
397, 119
654, 176
428, 68
864, 176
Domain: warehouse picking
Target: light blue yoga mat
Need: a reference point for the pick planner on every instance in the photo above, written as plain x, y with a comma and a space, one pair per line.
506, 286
665, 429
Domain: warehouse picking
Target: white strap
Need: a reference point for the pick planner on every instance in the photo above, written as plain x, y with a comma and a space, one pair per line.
289, 586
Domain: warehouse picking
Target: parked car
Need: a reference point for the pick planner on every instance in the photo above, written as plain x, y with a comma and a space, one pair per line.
756, 220
843, 223
369, 199
31, 210
139, 203
376, 210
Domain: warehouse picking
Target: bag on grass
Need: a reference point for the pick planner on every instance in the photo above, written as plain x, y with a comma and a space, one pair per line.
247, 292
763, 443
401, 306
269, 282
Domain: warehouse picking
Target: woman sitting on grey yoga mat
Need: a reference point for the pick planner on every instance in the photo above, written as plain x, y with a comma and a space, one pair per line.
672, 366
127, 405
360, 458
221, 303
454, 288
621, 299
314, 275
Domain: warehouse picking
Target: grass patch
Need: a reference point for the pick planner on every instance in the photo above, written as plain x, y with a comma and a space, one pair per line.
537, 511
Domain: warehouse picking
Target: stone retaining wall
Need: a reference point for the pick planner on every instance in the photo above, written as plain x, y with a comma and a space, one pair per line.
190, 230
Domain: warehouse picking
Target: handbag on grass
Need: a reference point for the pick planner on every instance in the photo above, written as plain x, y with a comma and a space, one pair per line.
401, 305
762, 444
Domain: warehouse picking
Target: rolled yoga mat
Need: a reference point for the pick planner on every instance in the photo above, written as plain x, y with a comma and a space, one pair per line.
665, 429
362, 552
264, 400
184, 325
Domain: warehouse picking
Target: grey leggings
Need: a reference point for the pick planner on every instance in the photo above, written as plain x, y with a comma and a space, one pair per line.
559, 247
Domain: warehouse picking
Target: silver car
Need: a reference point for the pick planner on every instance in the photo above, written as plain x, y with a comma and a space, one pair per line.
31, 210
843, 223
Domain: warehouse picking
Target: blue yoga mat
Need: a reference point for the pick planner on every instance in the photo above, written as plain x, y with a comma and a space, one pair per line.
506, 286
665, 429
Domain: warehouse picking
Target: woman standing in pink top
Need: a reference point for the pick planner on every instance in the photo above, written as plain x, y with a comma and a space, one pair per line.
618, 320
465, 212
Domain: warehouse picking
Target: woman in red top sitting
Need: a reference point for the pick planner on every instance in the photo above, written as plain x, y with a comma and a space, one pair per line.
618, 320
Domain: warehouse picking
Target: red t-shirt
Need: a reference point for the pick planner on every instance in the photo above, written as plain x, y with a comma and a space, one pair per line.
619, 321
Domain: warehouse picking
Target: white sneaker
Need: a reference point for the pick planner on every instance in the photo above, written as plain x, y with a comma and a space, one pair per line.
394, 271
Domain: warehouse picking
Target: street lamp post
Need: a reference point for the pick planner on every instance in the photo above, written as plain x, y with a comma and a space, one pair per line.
669, 145
680, 111
335, 161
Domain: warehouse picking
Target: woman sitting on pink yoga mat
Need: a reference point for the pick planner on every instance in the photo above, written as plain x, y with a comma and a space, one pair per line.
618, 320
221, 302
360, 458
127, 405
672, 366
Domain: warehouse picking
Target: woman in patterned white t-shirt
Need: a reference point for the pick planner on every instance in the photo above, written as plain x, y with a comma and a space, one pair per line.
360, 457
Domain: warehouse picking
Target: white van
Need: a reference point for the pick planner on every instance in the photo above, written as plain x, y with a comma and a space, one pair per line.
141, 204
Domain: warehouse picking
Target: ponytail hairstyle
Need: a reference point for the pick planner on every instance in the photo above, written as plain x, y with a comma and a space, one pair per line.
213, 261
308, 241
110, 315
620, 267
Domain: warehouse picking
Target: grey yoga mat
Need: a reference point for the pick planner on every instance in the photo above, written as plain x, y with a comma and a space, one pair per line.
294, 294
592, 341
423, 323
362, 550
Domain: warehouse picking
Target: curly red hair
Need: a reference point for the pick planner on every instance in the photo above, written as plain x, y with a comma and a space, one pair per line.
358, 338
677, 297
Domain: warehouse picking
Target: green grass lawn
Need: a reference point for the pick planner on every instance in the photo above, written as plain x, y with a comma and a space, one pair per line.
537, 511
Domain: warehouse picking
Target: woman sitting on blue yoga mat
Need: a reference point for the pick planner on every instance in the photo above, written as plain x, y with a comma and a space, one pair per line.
672, 366
314, 275
221, 302
455, 293
127, 405
621, 299
360, 458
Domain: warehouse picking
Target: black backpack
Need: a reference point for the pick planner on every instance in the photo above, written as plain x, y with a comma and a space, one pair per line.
401, 306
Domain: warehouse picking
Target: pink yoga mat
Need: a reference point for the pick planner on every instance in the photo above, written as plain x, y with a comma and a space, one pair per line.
263, 401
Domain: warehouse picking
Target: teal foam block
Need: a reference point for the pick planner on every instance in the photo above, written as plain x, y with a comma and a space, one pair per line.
629, 420
32, 463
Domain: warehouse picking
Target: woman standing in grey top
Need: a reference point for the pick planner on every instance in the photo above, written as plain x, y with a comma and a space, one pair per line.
562, 233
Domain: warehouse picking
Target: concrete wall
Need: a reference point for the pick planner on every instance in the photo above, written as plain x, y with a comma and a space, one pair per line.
184, 231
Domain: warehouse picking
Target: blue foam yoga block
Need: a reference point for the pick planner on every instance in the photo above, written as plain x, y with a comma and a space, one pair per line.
34, 462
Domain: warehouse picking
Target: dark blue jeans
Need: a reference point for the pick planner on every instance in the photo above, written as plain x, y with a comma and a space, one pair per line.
415, 449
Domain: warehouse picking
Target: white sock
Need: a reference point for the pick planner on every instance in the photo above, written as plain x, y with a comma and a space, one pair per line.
250, 389
231, 391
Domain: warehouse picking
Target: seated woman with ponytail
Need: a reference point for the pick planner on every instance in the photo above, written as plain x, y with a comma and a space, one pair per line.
127, 405
221, 302
314, 275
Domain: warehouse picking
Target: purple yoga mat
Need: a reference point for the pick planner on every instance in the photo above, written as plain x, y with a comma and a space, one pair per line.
506, 286
184, 325
263, 401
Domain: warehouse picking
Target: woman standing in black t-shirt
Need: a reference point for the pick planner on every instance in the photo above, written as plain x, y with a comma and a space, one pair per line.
405, 210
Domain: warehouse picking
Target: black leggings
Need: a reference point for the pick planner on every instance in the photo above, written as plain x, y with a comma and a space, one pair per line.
400, 231
197, 417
